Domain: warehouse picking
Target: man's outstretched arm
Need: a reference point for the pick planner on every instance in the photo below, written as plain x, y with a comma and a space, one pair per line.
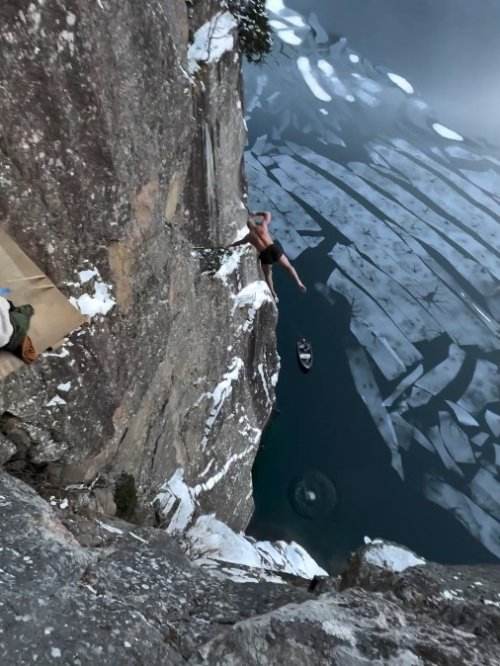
242, 241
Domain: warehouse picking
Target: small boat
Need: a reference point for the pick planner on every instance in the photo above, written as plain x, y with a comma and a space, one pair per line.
305, 354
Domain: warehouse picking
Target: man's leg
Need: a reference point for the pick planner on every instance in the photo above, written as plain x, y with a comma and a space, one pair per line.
283, 261
268, 275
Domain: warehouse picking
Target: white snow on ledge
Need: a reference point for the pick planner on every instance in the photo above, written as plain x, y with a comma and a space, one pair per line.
101, 302
212, 40
391, 557
254, 295
230, 264
209, 542
219, 395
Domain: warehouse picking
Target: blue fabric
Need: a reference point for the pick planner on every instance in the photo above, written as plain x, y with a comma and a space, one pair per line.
4, 291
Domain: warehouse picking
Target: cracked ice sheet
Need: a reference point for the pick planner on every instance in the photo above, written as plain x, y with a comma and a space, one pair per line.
407, 433
485, 490
444, 195
488, 179
437, 441
368, 390
483, 389
472, 191
412, 230
386, 248
455, 440
493, 421
403, 385
405, 213
437, 379
481, 264
212, 40
402, 308
389, 348
480, 524
462, 416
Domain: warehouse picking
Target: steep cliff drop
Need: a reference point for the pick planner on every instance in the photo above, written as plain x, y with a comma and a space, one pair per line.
121, 139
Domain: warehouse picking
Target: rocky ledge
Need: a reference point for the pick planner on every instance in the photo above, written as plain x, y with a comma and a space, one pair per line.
102, 591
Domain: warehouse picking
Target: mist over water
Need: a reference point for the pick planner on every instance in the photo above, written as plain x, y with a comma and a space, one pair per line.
449, 49
388, 205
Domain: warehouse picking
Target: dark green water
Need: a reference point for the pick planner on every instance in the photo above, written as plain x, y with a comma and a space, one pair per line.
322, 424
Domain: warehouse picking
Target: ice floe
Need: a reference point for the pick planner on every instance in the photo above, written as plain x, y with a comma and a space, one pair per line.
477, 521
484, 387
485, 489
438, 443
370, 394
461, 415
313, 84
493, 421
446, 132
437, 379
480, 438
401, 82
285, 32
455, 439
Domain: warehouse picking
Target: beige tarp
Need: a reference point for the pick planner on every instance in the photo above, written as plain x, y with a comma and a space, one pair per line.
54, 316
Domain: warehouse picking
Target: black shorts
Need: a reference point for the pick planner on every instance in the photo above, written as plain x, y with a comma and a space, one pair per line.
271, 254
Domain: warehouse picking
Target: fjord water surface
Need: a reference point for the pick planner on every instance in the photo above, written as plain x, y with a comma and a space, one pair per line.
386, 208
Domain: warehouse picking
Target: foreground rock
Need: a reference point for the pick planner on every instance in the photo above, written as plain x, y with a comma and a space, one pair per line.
130, 596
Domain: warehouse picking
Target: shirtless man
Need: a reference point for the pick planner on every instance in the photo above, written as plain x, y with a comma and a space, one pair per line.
270, 252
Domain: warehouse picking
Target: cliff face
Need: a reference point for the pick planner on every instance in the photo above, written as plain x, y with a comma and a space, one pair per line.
119, 153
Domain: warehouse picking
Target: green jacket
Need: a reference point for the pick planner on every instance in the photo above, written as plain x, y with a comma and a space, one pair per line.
20, 318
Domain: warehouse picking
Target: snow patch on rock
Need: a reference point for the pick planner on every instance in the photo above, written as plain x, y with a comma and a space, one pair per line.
212, 40
391, 557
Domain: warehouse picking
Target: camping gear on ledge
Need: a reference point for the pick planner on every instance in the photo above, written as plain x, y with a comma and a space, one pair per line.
54, 317
304, 354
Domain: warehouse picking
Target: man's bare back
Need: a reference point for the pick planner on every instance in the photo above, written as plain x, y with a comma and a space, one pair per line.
270, 251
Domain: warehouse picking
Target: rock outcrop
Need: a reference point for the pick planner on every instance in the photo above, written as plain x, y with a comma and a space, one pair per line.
77, 591
119, 156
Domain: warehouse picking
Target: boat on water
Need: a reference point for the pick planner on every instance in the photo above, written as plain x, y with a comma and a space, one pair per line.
305, 354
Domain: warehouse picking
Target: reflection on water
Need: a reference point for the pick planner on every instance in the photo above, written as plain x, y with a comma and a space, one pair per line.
392, 218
